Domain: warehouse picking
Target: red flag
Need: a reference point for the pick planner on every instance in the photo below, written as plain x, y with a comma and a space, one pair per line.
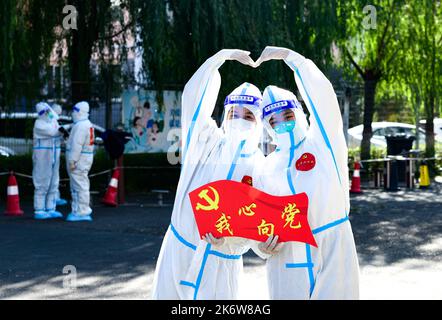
234, 209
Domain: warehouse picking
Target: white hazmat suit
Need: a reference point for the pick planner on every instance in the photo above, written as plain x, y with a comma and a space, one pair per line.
58, 110
188, 267
46, 162
79, 158
312, 160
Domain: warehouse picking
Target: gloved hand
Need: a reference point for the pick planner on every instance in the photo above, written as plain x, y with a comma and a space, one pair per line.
72, 165
214, 241
278, 53
64, 132
271, 246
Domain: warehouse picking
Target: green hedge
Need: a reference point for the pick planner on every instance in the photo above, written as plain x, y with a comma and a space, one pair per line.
161, 175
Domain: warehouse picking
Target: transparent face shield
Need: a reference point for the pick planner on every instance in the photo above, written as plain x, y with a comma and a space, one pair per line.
280, 117
48, 113
240, 123
282, 121
239, 117
240, 112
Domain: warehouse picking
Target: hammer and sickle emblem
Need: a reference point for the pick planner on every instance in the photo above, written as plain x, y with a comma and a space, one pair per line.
212, 204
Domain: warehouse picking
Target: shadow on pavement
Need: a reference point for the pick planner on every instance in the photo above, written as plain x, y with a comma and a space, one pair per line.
390, 227
120, 246
115, 255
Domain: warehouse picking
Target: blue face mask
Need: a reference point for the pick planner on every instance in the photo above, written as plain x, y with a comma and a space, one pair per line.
284, 127
49, 114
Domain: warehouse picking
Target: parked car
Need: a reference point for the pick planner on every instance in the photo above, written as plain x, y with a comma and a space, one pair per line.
16, 131
437, 128
6, 152
382, 129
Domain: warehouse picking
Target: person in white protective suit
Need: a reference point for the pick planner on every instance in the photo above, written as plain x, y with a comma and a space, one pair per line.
58, 110
79, 158
46, 162
188, 267
310, 159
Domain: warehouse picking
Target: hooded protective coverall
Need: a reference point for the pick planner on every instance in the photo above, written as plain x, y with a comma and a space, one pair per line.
58, 110
79, 158
188, 267
300, 271
46, 162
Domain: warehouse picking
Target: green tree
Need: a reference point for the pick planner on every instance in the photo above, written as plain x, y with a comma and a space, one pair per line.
91, 20
421, 63
371, 48
424, 49
26, 39
179, 35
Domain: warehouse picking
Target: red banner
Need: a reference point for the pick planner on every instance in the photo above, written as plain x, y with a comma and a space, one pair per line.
234, 209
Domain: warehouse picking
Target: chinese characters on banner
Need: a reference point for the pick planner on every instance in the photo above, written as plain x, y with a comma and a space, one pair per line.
229, 208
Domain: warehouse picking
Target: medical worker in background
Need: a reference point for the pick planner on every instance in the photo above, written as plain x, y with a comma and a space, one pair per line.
79, 158
58, 110
46, 162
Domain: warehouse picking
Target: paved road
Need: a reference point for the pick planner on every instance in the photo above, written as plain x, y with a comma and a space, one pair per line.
398, 237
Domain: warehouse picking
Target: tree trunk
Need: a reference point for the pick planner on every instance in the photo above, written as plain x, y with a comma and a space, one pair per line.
109, 76
430, 101
369, 96
80, 51
429, 126
417, 104
79, 58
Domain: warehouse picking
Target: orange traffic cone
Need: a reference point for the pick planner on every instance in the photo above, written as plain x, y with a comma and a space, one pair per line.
110, 197
356, 180
13, 201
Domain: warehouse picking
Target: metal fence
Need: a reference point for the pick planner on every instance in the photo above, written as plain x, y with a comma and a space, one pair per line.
16, 127
392, 172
